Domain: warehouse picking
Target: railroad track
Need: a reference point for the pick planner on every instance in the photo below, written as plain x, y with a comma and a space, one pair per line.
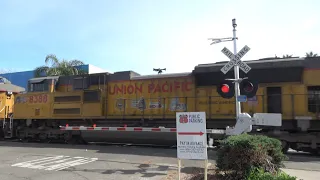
99, 144
89, 143
214, 148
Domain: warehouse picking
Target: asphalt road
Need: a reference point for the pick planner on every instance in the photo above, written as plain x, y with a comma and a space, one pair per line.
32, 161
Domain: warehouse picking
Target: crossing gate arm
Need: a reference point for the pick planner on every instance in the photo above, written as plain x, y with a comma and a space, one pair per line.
244, 124
216, 131
128, 129
131, 129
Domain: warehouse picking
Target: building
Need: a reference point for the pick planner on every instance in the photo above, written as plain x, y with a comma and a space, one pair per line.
21, 78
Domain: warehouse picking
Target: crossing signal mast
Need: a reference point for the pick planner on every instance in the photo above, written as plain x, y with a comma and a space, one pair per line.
241, 89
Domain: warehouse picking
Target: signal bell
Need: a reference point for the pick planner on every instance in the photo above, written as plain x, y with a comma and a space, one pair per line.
247, 87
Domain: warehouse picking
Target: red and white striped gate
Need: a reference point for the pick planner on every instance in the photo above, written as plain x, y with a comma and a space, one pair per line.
131, 129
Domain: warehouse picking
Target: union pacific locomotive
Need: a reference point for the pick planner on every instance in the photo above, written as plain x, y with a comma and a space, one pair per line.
126, 99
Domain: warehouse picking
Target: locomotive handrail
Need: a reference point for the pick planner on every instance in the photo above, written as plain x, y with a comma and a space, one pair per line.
2, 108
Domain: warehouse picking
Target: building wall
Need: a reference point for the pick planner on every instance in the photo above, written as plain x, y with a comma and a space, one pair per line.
84, 68
21, 78
94, 69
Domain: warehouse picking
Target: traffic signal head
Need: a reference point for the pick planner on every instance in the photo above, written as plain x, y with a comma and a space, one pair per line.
248, 88
226, 89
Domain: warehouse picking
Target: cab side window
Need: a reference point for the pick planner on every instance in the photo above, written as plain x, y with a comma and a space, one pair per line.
38, 86
314, 99
80, 83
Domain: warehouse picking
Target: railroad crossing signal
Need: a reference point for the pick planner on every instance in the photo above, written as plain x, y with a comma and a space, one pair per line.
226, 89
248, 88
235, 60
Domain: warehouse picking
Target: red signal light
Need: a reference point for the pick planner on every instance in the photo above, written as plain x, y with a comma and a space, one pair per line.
225, 88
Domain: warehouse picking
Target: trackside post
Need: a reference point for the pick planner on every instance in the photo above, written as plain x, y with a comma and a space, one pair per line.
191, 138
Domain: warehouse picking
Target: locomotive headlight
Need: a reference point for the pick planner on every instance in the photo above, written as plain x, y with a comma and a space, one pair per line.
9, 93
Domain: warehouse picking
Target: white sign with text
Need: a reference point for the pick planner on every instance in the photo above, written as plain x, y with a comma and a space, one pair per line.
191, 135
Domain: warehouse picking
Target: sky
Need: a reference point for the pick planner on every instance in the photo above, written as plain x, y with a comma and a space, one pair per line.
139, 35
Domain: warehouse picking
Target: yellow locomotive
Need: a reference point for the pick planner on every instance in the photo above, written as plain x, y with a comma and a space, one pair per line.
8, 92
126, 99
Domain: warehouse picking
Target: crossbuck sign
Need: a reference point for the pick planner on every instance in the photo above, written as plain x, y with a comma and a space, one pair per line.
235, 60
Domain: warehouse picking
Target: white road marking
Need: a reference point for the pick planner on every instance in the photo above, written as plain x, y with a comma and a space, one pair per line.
56, 163
59, 167
30, 163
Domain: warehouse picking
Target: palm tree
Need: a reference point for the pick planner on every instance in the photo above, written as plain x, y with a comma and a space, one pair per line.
59, 67
287, 56
310, 54
276, 57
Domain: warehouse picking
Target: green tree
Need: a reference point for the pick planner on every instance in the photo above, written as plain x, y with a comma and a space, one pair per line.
310, 54
57, 67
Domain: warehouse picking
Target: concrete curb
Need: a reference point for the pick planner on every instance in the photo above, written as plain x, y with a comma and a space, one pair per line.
303, 174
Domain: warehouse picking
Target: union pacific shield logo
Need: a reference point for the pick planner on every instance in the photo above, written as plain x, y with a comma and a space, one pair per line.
120, 103
183, 118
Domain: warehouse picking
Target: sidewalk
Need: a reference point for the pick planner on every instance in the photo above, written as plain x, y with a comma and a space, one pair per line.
303, 174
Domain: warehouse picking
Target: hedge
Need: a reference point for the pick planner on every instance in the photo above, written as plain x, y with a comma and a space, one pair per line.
242, 156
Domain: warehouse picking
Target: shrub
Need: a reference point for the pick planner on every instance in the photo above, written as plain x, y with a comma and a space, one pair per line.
239, 155
260, 174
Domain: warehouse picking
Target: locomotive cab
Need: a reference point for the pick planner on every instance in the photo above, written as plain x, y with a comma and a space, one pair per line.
7, 94
35, 103
43, 84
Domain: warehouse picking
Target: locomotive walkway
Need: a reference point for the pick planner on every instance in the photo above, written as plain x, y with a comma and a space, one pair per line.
35, 161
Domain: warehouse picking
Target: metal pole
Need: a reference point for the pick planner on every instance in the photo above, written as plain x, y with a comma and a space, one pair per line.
236, 71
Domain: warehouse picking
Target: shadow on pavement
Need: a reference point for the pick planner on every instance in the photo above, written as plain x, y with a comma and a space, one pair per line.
143, 170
